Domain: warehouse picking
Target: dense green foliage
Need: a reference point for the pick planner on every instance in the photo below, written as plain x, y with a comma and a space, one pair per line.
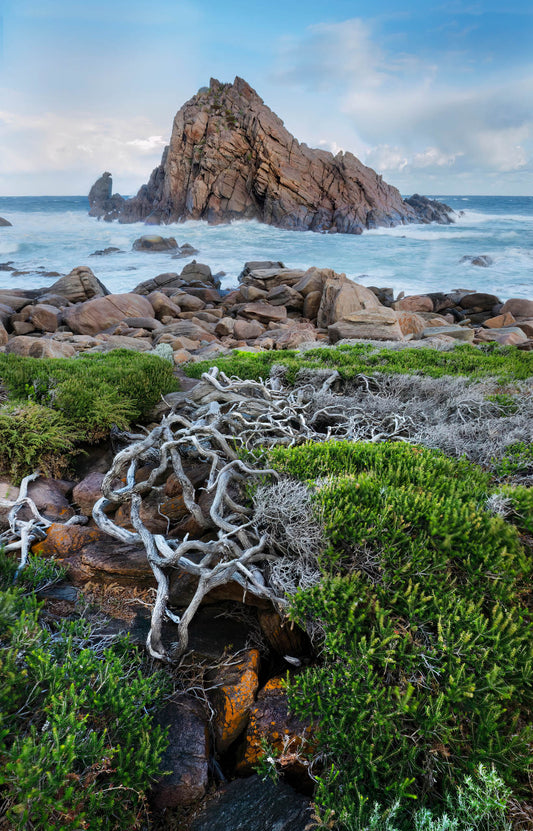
505, 363
33, 436
78, 746
427, 659
518, 461
62, 401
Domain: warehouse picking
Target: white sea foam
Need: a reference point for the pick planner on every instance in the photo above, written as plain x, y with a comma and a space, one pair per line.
410, 258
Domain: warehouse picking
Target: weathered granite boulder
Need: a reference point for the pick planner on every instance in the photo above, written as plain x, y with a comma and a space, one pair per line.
367, 324
479, 301
78, 286
49, 348
341, 297
230, 157
518, 307
46, 318
4, 337
232, 695
414, 303
99, 314
153, 242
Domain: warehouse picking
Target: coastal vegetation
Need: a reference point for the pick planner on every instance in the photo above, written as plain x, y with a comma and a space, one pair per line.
56, 404
395, 530
78, 742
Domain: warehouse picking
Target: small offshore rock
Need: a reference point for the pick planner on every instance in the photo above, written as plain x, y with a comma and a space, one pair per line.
481, 260
103, 252
4, 223
153, 242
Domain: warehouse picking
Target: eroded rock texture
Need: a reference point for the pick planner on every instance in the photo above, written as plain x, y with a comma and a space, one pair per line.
230, 157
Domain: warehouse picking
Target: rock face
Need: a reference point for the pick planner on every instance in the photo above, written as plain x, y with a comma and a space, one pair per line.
101, 201
4, 223
230, 157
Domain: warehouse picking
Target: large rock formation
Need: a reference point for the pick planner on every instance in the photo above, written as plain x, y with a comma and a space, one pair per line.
230, 157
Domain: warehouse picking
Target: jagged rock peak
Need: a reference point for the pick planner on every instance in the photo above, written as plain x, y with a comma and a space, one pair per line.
230, 157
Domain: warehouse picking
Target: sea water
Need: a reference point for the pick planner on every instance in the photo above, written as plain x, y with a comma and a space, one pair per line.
56, 234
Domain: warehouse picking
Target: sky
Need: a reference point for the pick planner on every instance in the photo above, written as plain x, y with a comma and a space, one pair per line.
436, 96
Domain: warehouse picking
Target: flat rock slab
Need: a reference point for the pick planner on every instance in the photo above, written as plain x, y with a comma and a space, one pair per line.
254, 804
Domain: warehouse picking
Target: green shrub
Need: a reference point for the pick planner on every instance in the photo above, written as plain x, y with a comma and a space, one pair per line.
93, 391
33, 436
59, 402
427, 659
504, 363
517, 461
78, 747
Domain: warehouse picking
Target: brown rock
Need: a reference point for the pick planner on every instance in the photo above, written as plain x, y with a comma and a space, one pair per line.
163, 305
65, 541
188, 329
451, 331
415, 303
87, 492
225, 327
247, 329
251, 293
98, 315
519, 308
48, 348
188, 302
293, 336
13, 301
230, 157
341, 297
312, 280
22, 327
46, 318
510, 336
411, 323
181, 356
232, 696
4, 337
285, 296
20, 345
312, 305
283, 635
187, 756
108, 342
526, 326
497, 322
78, 286
49, 499
479, 301
367, 324
263, 312
270, 720
154, 243
110, 561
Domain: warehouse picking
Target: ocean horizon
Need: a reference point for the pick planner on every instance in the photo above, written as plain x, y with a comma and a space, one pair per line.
55, 234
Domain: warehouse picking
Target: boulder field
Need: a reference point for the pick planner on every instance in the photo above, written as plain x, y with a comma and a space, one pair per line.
273, 307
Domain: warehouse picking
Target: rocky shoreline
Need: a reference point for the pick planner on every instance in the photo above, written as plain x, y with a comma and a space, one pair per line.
273, 307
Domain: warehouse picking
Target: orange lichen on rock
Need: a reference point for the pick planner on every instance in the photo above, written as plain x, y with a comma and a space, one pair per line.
66, 540
271, 722
233, 698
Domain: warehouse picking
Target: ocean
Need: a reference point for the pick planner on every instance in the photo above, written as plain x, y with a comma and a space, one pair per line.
54, 233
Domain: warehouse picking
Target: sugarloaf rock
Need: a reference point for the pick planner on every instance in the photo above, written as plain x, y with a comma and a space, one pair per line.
230, 157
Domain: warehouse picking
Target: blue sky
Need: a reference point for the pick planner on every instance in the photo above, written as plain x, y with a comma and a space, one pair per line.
438, 97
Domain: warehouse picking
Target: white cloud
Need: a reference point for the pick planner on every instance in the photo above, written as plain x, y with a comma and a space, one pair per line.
49, 142
409, 115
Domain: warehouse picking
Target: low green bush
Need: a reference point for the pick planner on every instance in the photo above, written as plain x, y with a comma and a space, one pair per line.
426, 665
517, 461
33, 436
92, 391
56, 403
504, 363
78, 746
